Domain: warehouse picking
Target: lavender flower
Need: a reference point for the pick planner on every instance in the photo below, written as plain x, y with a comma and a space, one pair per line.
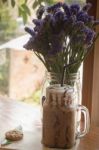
47, 18
90, 37
74, 8
59, 16
79, 24
56, 47
65, 20
36, 21
87, 7
72, 20
29, 44
37, 29
50, 8
30, 31
90, 34
54, 7
40, 12
56, 44
38, 24
63, 29
66, 9
82, 16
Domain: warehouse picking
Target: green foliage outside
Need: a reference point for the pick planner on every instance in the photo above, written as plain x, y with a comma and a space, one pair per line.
4, 75
23, 5
7, 32
33, 98
7, 24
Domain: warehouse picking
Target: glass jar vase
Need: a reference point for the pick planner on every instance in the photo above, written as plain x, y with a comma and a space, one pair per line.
71, 81
61, 128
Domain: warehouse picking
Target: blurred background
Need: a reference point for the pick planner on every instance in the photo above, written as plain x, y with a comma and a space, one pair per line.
21, 73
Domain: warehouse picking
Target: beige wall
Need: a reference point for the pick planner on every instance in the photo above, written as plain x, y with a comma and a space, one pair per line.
26, 74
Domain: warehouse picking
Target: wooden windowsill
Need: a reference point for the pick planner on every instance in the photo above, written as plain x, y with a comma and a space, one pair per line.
13, 113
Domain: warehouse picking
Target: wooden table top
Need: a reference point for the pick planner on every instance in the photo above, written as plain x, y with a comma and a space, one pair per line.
14, 113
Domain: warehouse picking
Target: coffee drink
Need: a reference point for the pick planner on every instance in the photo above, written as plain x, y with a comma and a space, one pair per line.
59, 118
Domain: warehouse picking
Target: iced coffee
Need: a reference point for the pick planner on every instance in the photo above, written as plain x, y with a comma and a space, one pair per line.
59, 118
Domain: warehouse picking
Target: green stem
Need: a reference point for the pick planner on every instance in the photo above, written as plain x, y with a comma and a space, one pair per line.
38, 55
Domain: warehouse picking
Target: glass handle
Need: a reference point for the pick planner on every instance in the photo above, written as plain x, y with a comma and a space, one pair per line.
86, 125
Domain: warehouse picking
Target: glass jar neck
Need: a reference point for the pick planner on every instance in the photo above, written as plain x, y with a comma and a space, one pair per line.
55, 78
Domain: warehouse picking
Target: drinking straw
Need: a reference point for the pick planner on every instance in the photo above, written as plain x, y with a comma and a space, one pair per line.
64, 69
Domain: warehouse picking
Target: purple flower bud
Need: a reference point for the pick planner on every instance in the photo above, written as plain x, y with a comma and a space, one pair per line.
82, 16
61, 21
50, 8
36, 21
54, 8
65, 20
52, 21
37, 29
40, 12
80, 23
90, 35
29, 44
48, 18
66, 9
87, 7
74, 8
30, 31
56, 47
59, 15
68, 23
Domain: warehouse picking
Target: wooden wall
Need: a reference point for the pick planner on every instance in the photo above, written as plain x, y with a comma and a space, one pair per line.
90, 96
95, 93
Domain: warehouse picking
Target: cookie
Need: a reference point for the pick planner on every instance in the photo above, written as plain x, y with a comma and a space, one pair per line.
14, 135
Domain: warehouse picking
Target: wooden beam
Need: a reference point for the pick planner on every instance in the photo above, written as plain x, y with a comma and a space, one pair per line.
88, 81
95, 93
88, 68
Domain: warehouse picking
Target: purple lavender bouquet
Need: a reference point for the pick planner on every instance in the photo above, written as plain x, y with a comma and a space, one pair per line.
62, 35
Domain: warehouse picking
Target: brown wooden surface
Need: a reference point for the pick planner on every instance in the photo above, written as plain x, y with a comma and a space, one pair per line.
13, 113
90, 95
88, 69
95, 95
